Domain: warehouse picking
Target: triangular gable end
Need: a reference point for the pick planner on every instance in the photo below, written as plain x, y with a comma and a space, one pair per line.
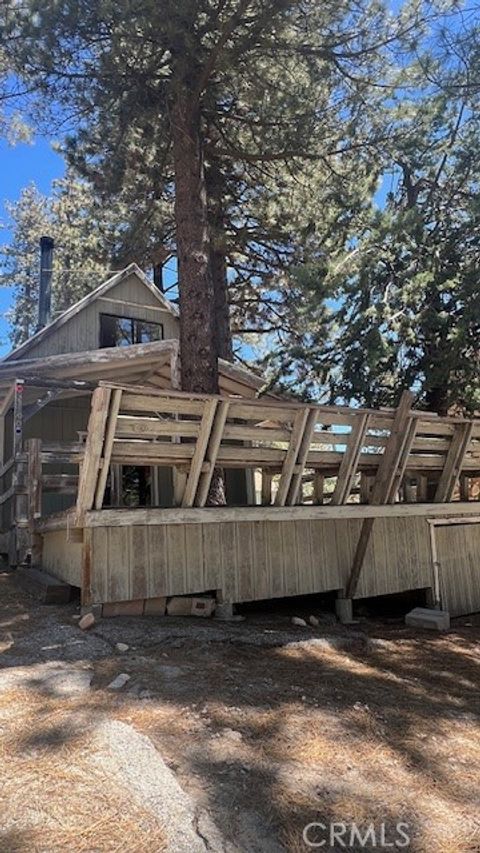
87, 300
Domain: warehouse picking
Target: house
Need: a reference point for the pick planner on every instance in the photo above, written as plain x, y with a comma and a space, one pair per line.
123, 331
107, 466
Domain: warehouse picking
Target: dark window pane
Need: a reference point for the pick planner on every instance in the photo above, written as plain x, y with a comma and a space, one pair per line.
124, 331
146, 332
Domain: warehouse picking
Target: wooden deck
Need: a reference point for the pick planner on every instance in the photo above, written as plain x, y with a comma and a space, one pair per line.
348, 498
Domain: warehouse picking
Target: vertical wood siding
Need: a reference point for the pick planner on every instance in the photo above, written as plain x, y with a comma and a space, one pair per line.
82, 332
458, 547
254, 560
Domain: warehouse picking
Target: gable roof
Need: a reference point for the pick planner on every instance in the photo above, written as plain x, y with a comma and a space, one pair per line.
132, 269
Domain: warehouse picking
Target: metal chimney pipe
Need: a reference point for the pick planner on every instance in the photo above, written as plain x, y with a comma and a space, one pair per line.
45, 289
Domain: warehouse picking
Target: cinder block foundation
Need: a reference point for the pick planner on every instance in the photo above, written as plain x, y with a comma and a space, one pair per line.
431, 620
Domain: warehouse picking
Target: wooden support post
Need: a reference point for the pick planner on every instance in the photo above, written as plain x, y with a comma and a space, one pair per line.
318, 486
453, 463
348, 465
365, 487
409, 493
464, 487
214, 442
305, 443
422, 488
108, 446
290, 460
93, 452
180, 477
34, 479
385, 483
199, 454
267, 478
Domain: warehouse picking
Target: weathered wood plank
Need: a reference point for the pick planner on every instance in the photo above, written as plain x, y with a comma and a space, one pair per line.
216, 435
200, 452
93, 451
291, 455
215, 515
108, 446
349, 463
453, 463
305, 442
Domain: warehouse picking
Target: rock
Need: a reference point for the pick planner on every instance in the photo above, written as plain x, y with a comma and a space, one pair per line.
119, 682
87, 621
314, 621
121, 647
138, 767
296, 620
65, 681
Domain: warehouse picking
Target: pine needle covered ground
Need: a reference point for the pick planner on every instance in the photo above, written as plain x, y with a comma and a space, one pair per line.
266, 738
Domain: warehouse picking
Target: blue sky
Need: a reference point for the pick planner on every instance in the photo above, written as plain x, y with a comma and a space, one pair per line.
20, 165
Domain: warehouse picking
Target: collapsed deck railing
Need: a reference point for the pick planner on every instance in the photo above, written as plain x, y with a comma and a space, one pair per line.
400, 454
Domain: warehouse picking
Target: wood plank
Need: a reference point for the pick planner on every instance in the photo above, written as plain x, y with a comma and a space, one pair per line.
93, 451
291, 455
453, 463
108, 446
318, 487
213, 447
403, 460
34, 474
166, 405
216, 515
267, 478
349, 463
200, 451
142, 427
296, 481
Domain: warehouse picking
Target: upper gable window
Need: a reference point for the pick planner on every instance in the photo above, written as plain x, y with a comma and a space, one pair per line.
124, 331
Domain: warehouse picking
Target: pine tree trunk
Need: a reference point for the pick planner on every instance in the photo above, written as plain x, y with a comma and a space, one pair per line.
223, 335
218, 262
198, 352
199, 371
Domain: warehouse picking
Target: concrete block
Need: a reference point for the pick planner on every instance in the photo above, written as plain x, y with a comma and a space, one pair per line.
155, 606
344, 610
433, 620
186, 605
203, 606
123, 608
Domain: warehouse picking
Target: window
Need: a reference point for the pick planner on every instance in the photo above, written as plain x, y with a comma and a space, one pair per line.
124, 331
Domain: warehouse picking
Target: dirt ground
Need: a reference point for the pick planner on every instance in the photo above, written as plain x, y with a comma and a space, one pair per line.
269, 727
